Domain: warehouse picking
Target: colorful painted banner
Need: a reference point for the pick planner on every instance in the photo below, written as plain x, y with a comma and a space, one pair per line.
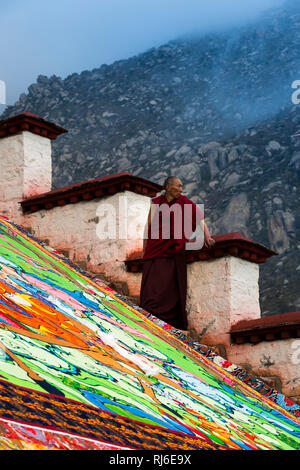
82, 368
15, 436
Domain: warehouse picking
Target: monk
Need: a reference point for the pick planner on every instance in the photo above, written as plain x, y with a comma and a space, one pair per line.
168, 229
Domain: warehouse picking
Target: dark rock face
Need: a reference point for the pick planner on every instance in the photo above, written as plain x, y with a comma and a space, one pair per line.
217, 112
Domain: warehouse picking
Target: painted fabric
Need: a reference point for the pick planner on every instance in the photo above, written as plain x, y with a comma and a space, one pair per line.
82, 368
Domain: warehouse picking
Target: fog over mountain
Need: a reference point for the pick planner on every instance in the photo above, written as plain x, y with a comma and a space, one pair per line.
216, 110
63, 37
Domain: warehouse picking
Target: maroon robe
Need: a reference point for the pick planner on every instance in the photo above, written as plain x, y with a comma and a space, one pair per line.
164, 281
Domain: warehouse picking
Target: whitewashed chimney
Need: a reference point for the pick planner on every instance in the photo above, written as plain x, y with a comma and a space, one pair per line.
25, 161
223, 286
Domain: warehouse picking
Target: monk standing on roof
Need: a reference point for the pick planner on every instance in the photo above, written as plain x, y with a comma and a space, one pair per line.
172, 220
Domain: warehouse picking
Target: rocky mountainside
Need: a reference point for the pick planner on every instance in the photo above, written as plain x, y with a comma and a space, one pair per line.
216, 111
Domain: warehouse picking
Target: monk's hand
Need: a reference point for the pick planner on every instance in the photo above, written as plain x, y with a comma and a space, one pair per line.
209, 242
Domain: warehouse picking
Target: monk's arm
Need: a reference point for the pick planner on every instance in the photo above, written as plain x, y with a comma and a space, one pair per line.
208, 240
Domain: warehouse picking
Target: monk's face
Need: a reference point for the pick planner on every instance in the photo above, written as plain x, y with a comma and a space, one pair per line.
174, 189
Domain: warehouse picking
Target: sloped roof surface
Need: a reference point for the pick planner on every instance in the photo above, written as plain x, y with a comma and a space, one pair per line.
82, 369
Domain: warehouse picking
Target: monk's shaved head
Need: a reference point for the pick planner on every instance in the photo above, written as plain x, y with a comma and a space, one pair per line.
170, 180
173, 188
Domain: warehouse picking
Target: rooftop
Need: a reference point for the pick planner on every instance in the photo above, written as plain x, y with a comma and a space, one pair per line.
275, 327
32, 123
228, 244
92, 189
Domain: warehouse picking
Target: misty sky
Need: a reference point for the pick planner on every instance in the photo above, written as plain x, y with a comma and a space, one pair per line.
66, 36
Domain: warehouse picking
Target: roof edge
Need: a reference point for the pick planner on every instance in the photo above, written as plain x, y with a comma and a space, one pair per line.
88, 190
31, 123
227, 244
272, 328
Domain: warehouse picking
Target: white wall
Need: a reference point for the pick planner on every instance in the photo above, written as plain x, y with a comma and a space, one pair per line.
101, 232
221, 292
274, 360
